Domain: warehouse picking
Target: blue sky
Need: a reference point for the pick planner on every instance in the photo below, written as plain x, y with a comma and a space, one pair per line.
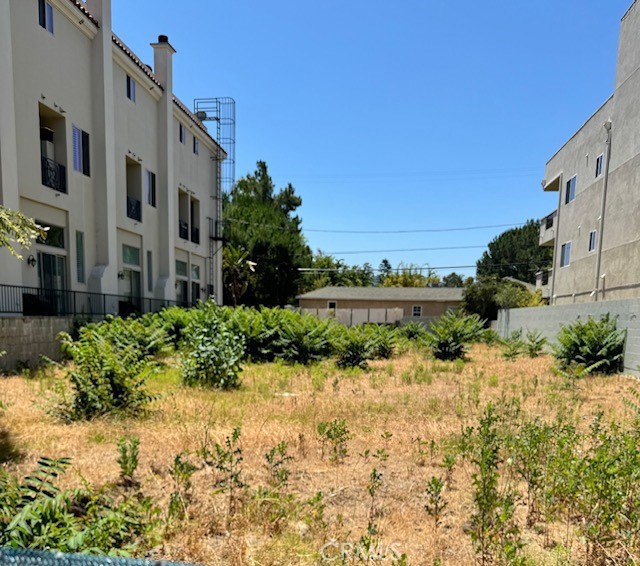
409, 115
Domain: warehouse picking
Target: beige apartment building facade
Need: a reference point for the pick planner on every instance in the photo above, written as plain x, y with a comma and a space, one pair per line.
595, 230
95, 146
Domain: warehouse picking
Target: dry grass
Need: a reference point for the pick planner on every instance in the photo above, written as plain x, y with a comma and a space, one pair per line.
410, 397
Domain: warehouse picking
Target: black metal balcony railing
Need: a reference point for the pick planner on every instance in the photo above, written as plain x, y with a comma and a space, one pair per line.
195, 234
183, 230
134, 208
33, 301
54, 175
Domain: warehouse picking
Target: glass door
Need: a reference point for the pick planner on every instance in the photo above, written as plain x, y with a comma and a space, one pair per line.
52, 276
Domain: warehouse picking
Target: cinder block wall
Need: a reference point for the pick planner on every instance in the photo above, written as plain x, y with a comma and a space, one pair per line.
26, 339
549, 320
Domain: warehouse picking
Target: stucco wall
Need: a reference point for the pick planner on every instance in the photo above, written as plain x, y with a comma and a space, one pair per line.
549, 320
26, 339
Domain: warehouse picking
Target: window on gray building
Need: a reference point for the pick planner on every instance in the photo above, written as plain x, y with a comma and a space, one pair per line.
599, 163
570, 192
131, 89
593, 238
565, 254
81, 151
45, 15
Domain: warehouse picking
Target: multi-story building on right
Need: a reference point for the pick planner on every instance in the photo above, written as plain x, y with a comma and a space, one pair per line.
595, 231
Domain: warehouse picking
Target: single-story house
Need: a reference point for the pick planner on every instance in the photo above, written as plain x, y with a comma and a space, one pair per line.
413, 302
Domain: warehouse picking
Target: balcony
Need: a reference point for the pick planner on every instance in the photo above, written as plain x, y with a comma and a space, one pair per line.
54, 175
183, 230
195, 234
543, 282
134, 209
548, 229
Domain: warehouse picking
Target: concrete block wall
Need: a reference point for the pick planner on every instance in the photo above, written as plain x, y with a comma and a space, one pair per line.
549, 320
26, 339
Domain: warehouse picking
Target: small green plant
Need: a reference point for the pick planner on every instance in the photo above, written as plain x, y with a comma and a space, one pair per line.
181, 473
412, 331
534, 343
373, 487
590, 342
449, 335
336, 434
128, 450
436, 503
355, 350
513, 345
277, 459
227, 460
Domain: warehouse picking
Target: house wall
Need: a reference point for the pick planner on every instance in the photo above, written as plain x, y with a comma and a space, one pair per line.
77, 76
429, 308
619, 273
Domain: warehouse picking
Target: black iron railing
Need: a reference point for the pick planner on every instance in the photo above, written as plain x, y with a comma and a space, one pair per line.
195, 235
54, 175
183, 230
33, 301
134, 208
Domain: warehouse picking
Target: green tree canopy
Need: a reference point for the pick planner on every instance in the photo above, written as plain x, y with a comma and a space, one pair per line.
516, 253
489, 294
262, 224
410, 276
16, 229
332, 272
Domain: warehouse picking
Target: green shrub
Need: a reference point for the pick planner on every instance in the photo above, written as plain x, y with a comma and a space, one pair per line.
383, 341
513, 345
302, 338
592, 343
106, 377
355, 349
412, 331
451, 332
213, 352
535, 343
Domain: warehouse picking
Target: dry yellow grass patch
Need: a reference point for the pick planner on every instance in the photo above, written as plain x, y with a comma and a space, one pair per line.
421, 404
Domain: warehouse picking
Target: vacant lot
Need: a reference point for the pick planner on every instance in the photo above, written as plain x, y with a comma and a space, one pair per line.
404, 419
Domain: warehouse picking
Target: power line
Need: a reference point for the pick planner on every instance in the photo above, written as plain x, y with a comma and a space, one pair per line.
532, 264
406, 250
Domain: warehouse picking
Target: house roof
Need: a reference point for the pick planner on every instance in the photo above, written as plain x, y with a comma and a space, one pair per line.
436, 294
84, 10
121, 44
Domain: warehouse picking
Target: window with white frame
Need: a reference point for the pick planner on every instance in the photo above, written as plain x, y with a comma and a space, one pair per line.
130, 255
81, 162
565, 254
150, 188
593, 239
182, 134
131, 89
181, 268
45, 15
599, 163
417, 310
570, 192
332, 305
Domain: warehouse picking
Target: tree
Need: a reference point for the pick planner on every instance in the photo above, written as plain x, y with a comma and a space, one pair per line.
410, 276
17, 229
238, 272
452, 280
332, 272
489, 294
516, 253
262, 223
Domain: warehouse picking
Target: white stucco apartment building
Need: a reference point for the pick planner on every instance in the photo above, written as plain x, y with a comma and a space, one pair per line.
595, 230
94, 145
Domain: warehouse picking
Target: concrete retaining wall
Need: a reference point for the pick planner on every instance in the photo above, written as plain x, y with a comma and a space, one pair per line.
26, 339
549, 320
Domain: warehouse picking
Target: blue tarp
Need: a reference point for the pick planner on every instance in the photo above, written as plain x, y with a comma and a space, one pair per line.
19, 557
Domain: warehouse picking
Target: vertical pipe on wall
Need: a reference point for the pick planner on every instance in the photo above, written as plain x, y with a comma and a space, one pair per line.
607, 127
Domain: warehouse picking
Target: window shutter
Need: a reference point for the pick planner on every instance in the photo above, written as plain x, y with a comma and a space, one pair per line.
80, 256
86, 169
42, 14
49, 10
77, 150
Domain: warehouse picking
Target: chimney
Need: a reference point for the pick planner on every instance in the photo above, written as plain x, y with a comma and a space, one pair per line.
163, 62
101, 11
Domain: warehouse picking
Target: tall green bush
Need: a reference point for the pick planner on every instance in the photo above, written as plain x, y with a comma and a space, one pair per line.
449, 335
592, 343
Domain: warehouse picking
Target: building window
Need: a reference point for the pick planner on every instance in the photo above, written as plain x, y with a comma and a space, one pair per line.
81, 151
182, 133
80, 257
565, 254
45, 15
570, 193
599, 162
130, 255
150, 272
54, 235
196, 145
195, 272
332, 305
593, 238
417, 310
181, 268
131, 89
150, 188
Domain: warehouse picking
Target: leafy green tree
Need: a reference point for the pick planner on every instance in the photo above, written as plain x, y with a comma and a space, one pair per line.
262, 223
16, 229
516, 253
238, 272
487, 295
410, 276
332, 272
452, 280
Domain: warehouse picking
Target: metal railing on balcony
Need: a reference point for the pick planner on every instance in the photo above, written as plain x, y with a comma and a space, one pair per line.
54, 175
33, 301
195, 234
134, 208
183, 230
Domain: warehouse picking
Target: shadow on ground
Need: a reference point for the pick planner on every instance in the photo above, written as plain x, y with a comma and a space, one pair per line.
8, 450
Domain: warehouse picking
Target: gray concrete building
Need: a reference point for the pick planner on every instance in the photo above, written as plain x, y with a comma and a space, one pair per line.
95, 146
595, 229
